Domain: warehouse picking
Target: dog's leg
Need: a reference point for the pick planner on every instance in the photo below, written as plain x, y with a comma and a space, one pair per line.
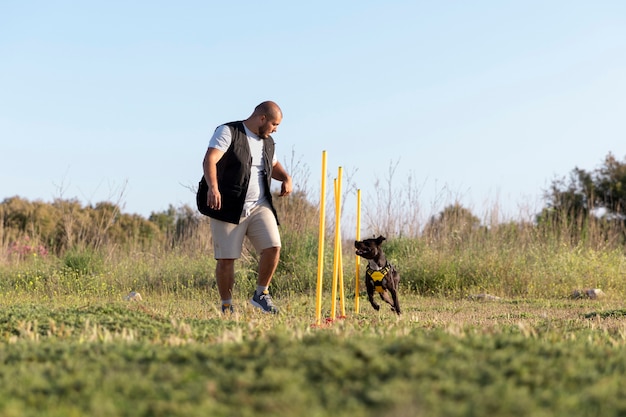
394, 283
385, 296
370, 293
396, 305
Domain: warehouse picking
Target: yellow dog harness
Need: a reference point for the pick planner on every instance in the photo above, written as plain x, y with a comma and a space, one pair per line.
377, 276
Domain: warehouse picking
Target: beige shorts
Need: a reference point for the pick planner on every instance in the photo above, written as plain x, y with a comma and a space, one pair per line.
260, 227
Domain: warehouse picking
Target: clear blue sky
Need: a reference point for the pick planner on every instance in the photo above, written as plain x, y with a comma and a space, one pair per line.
481, 101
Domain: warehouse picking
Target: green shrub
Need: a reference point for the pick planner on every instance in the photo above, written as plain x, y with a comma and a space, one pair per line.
84, 261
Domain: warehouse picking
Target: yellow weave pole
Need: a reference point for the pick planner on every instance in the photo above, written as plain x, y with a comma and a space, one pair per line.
333, 291
357, 276
342, 304
337, 274
320, 247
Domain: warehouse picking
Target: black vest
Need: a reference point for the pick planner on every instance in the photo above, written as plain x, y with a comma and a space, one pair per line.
233, 177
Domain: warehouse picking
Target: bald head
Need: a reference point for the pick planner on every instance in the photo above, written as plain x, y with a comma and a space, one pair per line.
265, 119
269, 109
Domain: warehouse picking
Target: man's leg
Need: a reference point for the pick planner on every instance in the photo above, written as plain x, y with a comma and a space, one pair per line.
264, 235
225, 277
227, 243
267, 265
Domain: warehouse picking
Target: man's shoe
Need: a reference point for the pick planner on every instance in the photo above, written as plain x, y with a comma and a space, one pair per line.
264, 302
227, 308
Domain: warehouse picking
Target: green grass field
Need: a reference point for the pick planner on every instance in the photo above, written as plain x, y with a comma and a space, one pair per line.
175, 355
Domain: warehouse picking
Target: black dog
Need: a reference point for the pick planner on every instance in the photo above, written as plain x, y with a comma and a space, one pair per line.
380, 276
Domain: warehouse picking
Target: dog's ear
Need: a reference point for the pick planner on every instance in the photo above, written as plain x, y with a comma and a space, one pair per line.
380, 239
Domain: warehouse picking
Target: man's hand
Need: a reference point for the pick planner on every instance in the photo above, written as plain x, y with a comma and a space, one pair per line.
286, 187
214, 199
279, 173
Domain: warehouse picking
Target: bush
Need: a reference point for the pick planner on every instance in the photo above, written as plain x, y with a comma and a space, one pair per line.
84, 261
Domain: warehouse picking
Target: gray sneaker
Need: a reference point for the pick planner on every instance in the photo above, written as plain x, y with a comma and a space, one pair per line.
264, 302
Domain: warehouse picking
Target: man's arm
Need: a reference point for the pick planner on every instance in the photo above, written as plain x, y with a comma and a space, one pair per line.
279, 173
214, 198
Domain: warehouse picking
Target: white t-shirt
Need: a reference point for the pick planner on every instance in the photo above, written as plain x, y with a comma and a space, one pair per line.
221, 140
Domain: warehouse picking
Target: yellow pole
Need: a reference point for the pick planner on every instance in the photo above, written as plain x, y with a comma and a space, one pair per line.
333, 291
320, 247
342, 306
358, 259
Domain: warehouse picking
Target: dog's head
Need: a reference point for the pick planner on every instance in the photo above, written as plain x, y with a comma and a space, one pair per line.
369, 248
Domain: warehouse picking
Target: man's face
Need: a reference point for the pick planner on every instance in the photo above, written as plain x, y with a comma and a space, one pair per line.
269, 126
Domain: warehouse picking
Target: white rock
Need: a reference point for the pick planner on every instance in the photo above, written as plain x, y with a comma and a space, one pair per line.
592, 293
484, 297
133, 296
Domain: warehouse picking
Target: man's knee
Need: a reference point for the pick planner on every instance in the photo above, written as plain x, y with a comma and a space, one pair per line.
225, 264
274, 250
225, 261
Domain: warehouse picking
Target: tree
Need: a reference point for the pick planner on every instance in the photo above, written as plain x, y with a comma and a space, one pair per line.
165, 220
455, 221
611, 186
588, 206
601, 192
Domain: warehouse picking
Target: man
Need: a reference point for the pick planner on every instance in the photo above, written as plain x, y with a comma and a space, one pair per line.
238, 167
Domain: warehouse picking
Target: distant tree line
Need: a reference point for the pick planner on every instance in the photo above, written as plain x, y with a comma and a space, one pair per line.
601, 192
581, 205
587, 200
65, 224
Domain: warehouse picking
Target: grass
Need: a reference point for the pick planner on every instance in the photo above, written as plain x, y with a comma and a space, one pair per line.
177, 355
